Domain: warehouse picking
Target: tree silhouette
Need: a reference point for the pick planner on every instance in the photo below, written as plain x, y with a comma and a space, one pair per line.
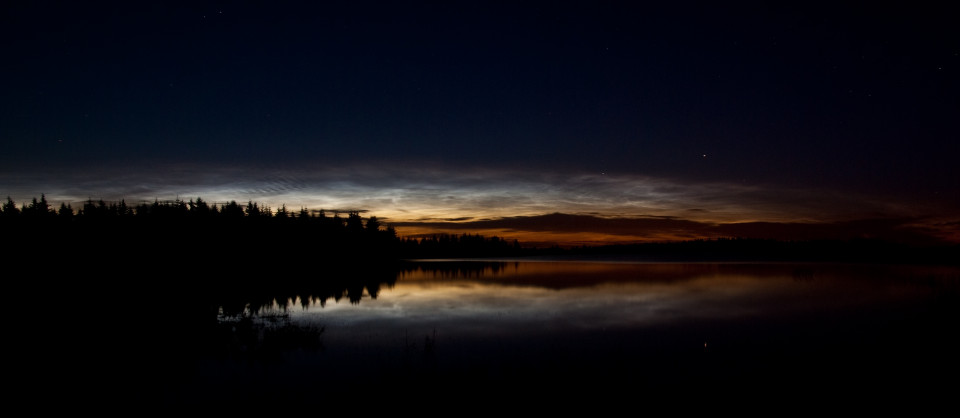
373, 224
252, 210
10, 208
354, 222
199, 207
231, 210
65, 211
38, 208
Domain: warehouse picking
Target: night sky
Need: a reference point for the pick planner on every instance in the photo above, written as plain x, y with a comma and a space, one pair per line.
569, 122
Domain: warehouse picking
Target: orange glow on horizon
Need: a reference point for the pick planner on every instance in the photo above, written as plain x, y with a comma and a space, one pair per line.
548, 239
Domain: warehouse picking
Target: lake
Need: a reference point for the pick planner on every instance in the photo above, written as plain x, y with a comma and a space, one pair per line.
545, 335
587, 331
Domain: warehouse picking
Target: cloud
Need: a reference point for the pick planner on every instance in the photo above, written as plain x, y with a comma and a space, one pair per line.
560, 222
421, 196
660, 228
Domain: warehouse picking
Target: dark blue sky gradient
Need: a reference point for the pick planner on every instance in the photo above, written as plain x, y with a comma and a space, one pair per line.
851, 97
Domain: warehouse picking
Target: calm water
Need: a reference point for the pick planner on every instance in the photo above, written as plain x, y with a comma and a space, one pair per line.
593, 329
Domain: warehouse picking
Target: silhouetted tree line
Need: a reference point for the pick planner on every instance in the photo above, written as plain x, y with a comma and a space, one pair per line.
255, 238
177, 209
196, 231
196, 228
459, 246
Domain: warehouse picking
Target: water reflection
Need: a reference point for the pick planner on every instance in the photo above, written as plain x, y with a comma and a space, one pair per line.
561, 324
624, 294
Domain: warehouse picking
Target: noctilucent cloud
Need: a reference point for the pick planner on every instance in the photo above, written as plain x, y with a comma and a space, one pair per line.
631, 122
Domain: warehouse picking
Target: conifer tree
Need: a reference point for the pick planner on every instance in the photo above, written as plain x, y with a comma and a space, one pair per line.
10, 208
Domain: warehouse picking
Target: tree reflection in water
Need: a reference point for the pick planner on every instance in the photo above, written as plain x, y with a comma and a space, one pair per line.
612, 332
